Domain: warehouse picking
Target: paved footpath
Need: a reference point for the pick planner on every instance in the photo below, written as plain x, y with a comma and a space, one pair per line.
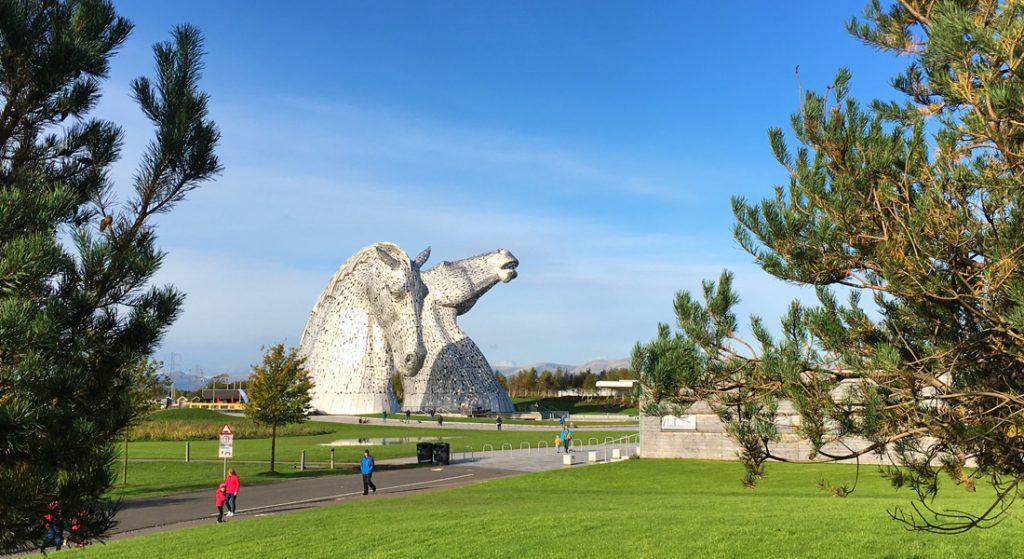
155, 514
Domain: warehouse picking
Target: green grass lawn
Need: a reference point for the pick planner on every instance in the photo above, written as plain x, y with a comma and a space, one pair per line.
146, 478
183, 424
638, 508
576, 406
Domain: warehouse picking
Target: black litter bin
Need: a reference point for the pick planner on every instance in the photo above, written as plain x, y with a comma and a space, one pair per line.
442, 453
424, 453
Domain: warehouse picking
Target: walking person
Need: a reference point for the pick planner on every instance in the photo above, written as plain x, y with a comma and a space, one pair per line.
366, 466
566, 437
558, 442
384, 414
408, 416
498, 422
220, 499
440, 420
233, 483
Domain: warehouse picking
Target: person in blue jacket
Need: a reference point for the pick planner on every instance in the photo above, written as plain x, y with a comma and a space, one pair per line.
366, 467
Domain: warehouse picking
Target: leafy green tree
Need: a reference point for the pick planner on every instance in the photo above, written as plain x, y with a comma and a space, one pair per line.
546, 383
77, 308
919, 205
279, 392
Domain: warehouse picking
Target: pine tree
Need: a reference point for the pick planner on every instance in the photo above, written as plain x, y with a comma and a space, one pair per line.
76, 308
919, 205
278, 392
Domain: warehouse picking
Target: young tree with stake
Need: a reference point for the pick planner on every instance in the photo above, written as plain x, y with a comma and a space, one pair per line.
278, 392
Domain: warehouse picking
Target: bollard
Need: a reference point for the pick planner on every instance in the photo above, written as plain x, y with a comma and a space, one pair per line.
186, 451
302, 461
332, 458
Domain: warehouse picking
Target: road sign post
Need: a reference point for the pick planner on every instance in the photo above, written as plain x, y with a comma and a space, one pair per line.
227, 444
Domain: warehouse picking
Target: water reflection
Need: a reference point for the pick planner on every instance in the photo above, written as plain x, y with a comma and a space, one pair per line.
374, 441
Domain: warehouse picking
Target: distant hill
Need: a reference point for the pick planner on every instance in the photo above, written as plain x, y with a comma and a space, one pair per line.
183, 381
595, 365
598, 365
513, 369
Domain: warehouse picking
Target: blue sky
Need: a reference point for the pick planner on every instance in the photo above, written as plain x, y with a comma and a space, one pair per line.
600, 142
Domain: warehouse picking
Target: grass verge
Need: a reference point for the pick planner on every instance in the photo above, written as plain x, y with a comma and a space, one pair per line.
639, 508
158, 467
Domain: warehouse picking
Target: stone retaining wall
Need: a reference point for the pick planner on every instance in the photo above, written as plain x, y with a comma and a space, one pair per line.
709, 440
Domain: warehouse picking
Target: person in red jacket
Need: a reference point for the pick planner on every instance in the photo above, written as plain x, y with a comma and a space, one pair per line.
222, 496
233, 483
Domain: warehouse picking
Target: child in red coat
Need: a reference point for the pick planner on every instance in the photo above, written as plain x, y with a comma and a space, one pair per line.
222, 495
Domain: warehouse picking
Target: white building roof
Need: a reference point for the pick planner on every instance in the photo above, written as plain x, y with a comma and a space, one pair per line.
615, 383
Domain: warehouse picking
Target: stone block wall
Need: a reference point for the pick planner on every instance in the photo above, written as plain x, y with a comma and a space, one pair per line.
710, 442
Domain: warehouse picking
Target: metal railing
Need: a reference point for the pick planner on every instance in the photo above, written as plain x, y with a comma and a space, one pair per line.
626, 441
628, 444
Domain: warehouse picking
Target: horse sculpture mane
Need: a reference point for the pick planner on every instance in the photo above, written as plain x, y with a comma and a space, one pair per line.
364, 327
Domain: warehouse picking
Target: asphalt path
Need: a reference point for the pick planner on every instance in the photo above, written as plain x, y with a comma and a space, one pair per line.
155, 514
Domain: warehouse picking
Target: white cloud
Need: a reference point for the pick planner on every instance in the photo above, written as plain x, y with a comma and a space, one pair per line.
308, 185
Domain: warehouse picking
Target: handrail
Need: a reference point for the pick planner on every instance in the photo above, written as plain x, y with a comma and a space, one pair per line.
626, 439
510, 449
484, 448
471, 454
529, 449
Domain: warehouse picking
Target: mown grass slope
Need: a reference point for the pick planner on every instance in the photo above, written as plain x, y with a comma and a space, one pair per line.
639, 508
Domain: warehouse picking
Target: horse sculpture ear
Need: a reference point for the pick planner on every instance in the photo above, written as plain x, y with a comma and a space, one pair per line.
388, 259
421, 258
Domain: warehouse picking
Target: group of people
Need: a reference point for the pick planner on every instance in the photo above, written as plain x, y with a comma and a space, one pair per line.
408, 417
55, 521
227, 493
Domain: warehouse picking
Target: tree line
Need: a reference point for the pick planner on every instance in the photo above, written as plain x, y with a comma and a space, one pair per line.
530, 382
